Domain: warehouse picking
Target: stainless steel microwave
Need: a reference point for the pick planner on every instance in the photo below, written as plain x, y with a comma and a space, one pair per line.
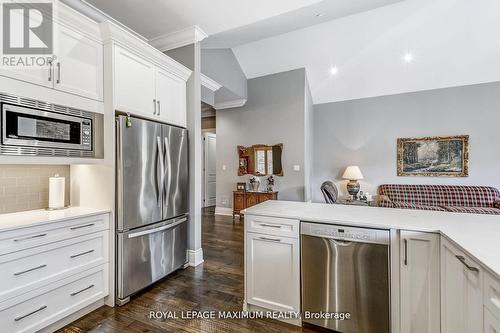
28, 130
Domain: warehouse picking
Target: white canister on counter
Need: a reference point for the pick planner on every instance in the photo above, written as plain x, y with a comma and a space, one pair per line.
56, 192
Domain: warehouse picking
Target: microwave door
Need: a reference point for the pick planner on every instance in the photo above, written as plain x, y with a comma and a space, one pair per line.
139, 173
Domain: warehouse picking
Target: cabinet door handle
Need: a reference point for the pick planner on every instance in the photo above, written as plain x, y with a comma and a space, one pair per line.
29, 270
82, 226
159, 109
58, 72
50, 71
406, 252
31, 313
81, 291
30, 237
81, 254
270, 239
154, 106
470, 268
270, 225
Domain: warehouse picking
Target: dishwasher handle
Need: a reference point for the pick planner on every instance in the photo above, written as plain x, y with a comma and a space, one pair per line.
406, 252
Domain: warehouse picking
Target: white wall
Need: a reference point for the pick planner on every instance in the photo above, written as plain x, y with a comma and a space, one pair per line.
454, 42
274, 113
364, 132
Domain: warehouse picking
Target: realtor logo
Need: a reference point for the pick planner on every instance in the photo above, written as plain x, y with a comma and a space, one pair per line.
27, 28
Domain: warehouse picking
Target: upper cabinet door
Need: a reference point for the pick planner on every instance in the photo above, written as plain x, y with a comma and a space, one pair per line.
79, 66
420, 282
171, 98
134, 82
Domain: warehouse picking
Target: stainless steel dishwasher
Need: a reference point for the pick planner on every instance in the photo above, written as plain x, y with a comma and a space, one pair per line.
345, 270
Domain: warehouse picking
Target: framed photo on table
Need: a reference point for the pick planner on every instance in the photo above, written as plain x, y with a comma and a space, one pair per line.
241, 186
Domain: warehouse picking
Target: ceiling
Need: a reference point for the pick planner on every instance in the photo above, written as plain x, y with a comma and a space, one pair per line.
316, 13
154, 18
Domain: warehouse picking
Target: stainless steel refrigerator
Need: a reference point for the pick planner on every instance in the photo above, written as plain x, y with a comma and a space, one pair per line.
152, 203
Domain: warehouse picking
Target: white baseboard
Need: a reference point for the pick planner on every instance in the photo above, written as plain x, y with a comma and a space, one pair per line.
195, 257
226, 211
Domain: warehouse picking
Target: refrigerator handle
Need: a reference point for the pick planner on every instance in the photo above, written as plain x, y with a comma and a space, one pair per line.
168, 171
162, 169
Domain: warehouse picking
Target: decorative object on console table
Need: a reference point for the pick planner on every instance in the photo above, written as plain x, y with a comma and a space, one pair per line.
353, 174
246, 199
241, 187
270, 183
434, 156
254, 183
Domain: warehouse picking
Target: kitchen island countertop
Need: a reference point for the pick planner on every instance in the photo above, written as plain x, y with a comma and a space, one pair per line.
478, 235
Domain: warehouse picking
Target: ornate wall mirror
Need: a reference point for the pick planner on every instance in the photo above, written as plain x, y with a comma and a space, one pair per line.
260, 160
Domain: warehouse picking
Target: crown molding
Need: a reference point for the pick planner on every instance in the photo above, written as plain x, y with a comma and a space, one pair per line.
230, 104
179, 38
209, 83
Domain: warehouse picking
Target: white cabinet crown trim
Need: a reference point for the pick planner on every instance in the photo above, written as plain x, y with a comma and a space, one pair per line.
210, 83
179, 38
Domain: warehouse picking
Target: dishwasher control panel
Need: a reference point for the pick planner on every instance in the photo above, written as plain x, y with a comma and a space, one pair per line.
345, 233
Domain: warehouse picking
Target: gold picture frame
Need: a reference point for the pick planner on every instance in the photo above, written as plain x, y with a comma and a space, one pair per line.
440, 156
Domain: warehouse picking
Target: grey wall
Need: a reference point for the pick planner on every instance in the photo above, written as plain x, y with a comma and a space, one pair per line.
308, 141
274, 113
222, 66
364, 132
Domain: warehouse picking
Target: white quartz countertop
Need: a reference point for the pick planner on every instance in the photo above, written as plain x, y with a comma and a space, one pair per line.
478, 235
29, 218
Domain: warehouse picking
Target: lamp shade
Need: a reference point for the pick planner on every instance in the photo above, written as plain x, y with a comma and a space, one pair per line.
352, 172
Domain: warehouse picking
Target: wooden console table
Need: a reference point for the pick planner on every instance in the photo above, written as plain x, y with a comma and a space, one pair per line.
242, 200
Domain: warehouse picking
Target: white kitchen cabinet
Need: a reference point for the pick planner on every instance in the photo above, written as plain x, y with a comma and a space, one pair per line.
420, 282
171, 98
272, 272
144, 89
78, 68
134, 82
461, 291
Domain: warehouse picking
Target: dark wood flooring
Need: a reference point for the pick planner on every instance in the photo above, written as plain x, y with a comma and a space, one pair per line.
217, 284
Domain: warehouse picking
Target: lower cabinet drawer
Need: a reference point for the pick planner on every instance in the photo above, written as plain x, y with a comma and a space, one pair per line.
25, 270
492, 295
272, 225
33, 311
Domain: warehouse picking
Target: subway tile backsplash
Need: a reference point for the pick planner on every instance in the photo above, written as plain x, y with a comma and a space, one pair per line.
26, 187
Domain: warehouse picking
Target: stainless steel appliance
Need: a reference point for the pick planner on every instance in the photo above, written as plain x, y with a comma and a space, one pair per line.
152, 203
346, 270
35, 128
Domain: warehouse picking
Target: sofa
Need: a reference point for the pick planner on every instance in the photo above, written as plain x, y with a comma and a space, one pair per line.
446, 198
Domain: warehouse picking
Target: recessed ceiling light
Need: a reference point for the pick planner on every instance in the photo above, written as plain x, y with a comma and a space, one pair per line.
408, 57
334, 70
319, 14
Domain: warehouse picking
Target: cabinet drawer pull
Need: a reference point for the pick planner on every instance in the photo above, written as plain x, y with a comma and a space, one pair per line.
271, 239
470, 268
154, 106
82, 226
29, 237
50, 71
270, 225
406, 252
81, 254
81, 291
159, 108
29, 270
31, 313
58, 72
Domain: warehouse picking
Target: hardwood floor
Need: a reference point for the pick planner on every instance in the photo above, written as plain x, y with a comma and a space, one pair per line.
217, 284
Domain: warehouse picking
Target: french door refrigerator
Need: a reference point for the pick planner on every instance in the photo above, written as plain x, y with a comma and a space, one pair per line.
152, 203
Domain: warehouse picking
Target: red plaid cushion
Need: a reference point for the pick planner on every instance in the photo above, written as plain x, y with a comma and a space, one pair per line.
474, 210
442, 195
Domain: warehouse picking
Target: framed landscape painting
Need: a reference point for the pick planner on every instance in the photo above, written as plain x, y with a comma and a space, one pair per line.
434, 156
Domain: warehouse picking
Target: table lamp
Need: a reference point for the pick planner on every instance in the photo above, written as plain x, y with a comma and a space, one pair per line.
353, 174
